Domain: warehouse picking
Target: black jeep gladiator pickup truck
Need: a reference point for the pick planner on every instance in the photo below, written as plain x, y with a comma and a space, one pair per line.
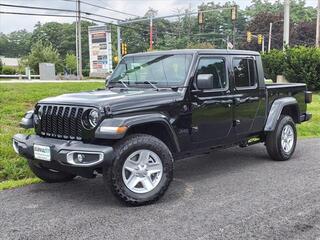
158, 107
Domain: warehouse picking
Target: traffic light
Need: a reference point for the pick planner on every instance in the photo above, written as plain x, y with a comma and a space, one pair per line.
260, 38
249, 37
200, 18
116, 59
234, 13
124, 49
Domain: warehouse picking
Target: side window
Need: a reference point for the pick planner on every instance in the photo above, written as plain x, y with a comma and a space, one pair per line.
244, 72
216, 67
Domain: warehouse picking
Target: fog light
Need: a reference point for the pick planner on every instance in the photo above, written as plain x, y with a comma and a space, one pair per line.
81, 157
15, 146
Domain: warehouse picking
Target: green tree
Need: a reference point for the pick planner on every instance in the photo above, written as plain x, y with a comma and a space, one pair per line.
15, 44
40, 53
71, 62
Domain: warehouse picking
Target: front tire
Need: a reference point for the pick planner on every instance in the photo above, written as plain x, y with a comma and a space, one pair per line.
142, 170
281, 142
48, 175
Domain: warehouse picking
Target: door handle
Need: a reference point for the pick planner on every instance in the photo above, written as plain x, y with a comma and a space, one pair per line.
253, 99
238, 100
223, 102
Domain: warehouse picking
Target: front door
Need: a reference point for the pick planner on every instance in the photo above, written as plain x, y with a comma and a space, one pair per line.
212, 113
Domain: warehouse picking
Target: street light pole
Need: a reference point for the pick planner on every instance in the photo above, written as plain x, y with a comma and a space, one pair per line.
286, 24
318, 26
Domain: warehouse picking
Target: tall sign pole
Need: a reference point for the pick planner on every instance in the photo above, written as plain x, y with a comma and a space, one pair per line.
318, 26
286, 24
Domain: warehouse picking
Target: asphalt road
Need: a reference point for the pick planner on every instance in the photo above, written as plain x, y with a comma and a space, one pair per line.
230, 194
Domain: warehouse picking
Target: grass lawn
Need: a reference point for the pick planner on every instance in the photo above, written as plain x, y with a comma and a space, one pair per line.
17, 98
312, 127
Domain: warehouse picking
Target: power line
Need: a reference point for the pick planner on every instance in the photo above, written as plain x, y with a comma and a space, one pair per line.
39, 8
67, 16
59, 10
38, 14
109, 9
102, 7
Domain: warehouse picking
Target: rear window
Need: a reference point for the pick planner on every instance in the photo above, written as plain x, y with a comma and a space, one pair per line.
244, 72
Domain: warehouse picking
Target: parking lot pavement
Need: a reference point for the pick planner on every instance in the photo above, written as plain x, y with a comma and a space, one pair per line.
230, 194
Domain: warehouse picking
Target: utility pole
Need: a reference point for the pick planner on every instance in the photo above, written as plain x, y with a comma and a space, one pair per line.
286, 24
151, 33
79, 73
262, 45
119, 40
77, 47
318, 26
270, 37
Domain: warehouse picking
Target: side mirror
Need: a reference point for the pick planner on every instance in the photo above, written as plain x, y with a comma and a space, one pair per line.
204, 81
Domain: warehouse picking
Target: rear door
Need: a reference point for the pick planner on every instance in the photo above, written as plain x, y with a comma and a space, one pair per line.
246, 94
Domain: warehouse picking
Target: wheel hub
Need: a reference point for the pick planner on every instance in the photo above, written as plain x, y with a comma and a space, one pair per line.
142, 171
287, 138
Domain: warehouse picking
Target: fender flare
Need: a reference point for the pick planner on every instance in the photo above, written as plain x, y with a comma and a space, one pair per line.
275, 111
132, 121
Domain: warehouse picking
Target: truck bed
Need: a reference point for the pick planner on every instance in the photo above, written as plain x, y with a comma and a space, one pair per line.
278, 90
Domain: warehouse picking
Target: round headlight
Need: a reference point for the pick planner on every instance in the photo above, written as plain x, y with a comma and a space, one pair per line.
93, 118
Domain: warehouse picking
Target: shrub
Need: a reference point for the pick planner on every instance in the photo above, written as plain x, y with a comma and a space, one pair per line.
9, 70
298, 64
273, 64
302, 65
71, 63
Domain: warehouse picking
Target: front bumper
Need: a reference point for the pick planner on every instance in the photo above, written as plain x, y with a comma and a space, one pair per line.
62, 151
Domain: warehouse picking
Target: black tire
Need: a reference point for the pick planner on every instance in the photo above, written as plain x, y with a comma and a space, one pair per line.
48, 175
273, 140
113, 175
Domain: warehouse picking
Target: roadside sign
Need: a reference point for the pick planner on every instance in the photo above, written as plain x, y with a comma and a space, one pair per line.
100, 50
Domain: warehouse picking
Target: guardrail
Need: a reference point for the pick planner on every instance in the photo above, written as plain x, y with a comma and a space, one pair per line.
20, 76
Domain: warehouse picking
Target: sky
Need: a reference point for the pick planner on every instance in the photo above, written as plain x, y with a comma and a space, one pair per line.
9, 23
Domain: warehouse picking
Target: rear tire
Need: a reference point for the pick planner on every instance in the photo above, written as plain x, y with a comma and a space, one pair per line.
48, 175
142, 170
281, 142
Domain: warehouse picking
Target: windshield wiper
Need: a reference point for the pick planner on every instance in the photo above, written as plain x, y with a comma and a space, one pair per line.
122, 82
154, 86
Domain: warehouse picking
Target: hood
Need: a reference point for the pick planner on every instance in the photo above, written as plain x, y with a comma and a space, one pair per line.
116, 99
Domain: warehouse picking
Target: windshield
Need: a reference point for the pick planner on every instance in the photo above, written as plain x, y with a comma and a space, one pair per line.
162, 70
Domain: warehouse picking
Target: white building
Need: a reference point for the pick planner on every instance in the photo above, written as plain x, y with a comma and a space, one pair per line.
12, 62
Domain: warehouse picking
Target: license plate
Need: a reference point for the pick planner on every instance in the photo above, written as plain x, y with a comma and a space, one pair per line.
42, 152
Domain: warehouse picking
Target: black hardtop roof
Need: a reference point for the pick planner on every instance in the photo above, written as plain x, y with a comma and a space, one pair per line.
198, 51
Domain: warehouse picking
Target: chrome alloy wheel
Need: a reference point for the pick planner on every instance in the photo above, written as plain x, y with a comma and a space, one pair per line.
142, 171
287, 138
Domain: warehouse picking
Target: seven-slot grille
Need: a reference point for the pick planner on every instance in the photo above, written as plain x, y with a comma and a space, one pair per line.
60, 121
